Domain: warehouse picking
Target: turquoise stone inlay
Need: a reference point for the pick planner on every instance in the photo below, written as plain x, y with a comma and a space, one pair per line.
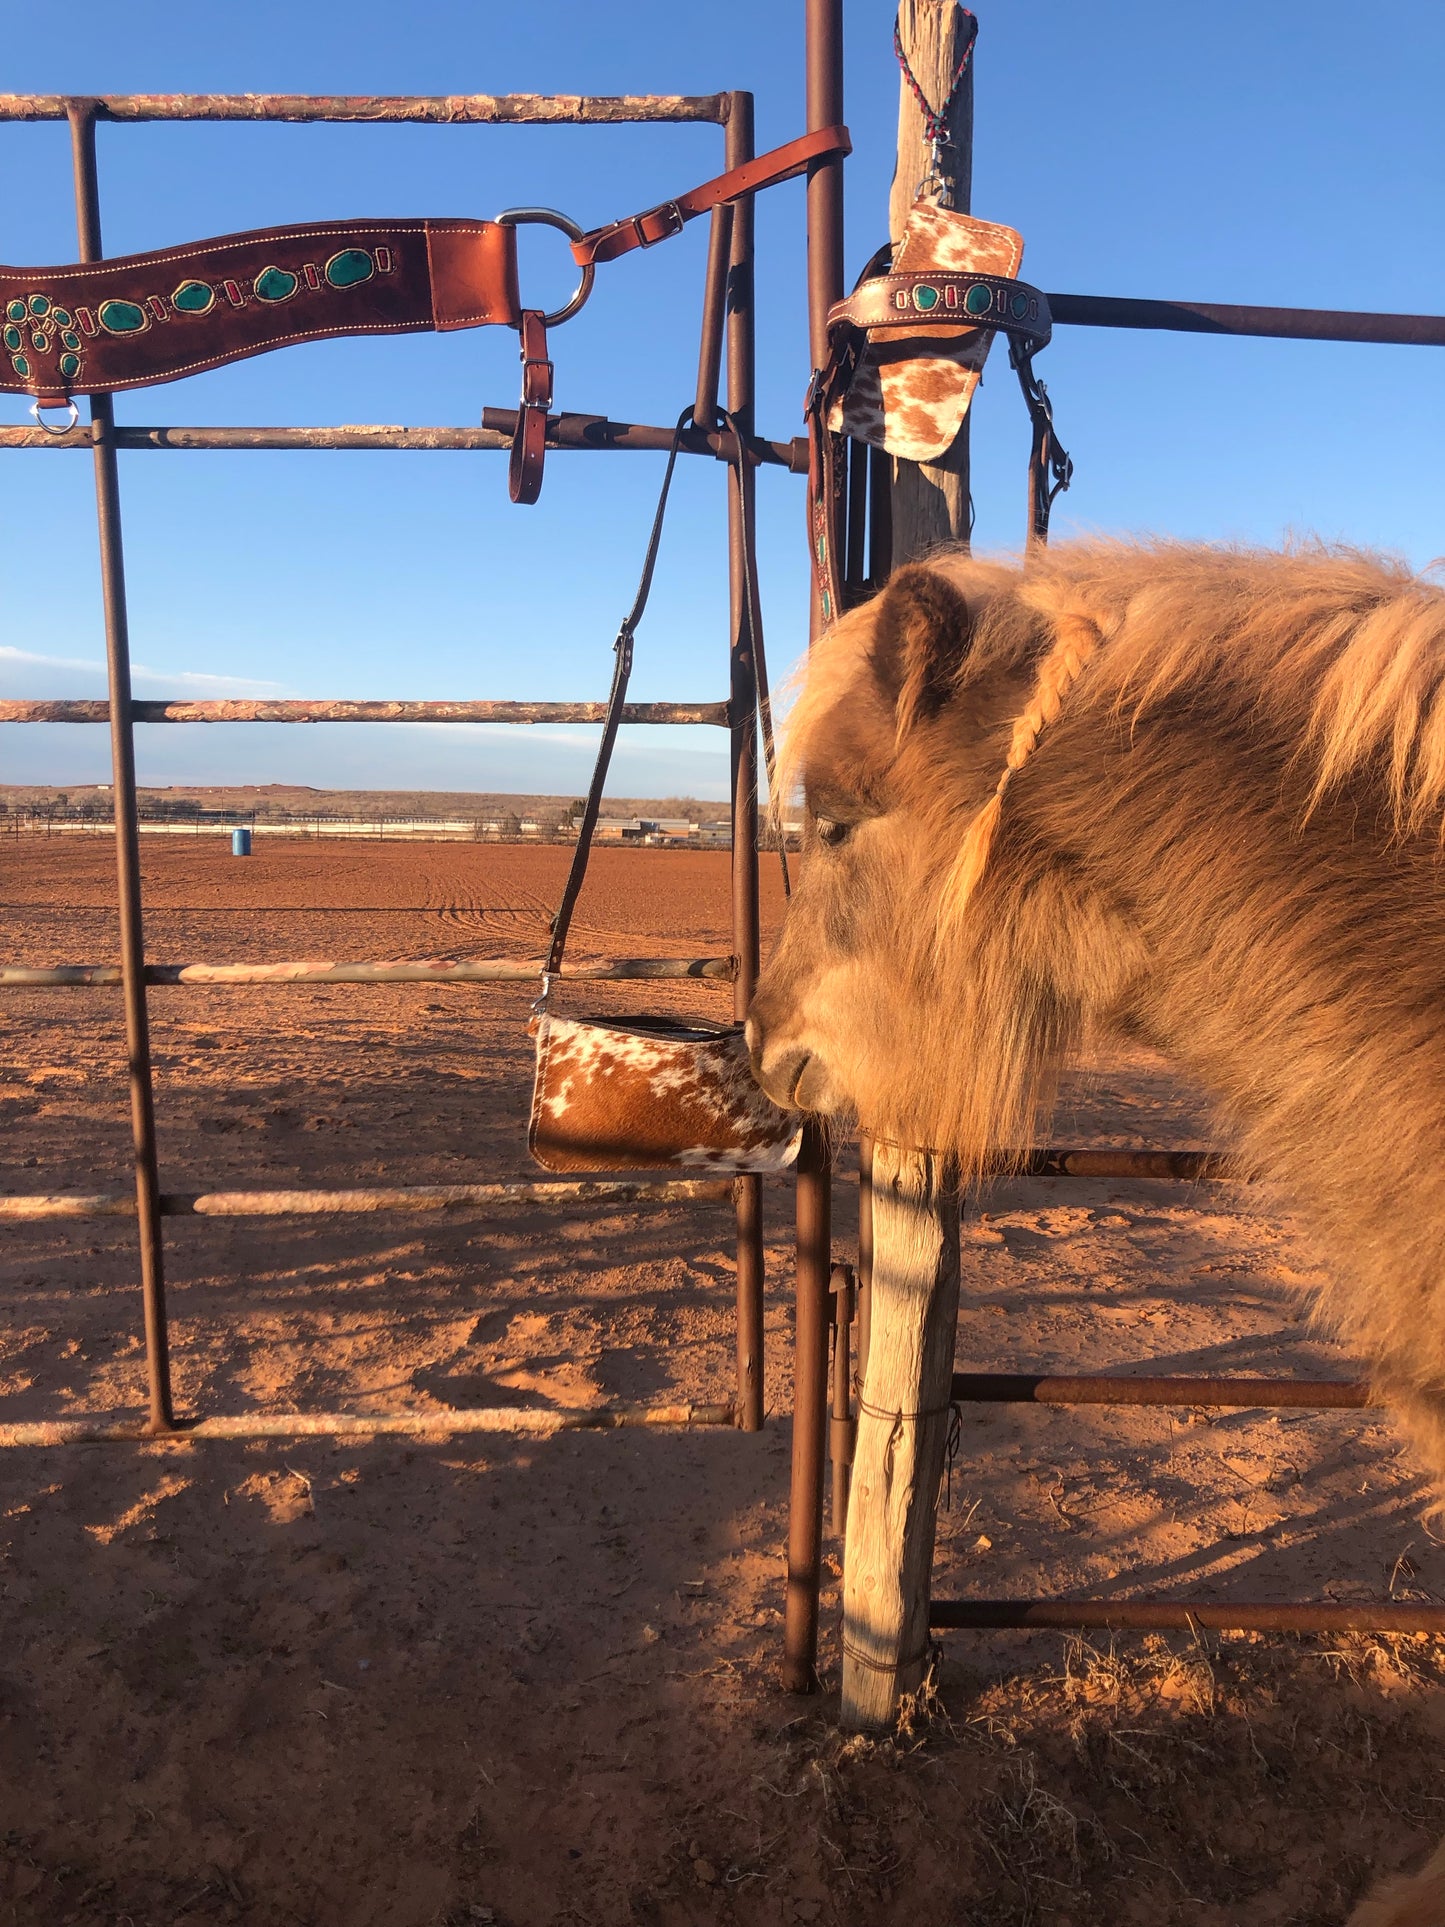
978, 300
122, 317
20, 365
69, 365
12, 339
1020, 306
925, 297
40, 341
39, 304
16, 311
61, 319
344, 270
277, 284
194, 297
70, 339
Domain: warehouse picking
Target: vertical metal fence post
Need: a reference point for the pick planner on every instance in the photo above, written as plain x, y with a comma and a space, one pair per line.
824, 20
745, 617
82, 114
810, 1413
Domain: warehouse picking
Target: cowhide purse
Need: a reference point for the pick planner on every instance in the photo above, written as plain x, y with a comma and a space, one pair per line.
644, 1093
650, 1092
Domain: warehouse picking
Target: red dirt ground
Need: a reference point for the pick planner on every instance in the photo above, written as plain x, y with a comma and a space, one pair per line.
529, 1680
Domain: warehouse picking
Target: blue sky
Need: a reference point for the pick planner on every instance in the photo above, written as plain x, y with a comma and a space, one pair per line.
1275, 153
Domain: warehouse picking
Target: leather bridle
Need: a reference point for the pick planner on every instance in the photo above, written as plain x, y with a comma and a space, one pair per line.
918, 306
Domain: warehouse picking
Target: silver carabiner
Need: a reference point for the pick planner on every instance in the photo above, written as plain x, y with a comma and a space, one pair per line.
934, 184
549, 217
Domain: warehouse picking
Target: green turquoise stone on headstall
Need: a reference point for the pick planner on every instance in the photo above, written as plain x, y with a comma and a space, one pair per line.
978, 300
12, 340
193, 297
122, 317
1020, 306
40, 341
69, 340
274, 284
69, 365
925, 297
16, 311
61, 318
344, 270
20, 365
39, 304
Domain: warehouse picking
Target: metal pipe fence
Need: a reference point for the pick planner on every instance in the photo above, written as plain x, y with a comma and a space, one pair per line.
727, 344
727, 337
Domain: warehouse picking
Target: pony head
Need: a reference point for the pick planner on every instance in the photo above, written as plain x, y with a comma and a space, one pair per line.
919, 714
1149, 788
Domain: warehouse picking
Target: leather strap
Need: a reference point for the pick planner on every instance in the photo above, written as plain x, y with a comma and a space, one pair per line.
617, 696
133, 319
660, 223
916, 301
622, 669
529, 437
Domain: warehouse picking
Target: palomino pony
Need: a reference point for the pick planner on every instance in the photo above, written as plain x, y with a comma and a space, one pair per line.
1188, 795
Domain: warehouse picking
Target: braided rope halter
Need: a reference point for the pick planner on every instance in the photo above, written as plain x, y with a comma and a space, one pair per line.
934, 184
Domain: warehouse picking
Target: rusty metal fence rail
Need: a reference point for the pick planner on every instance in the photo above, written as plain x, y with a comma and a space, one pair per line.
726, 357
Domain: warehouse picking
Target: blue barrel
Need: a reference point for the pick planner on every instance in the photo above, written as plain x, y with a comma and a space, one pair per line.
240, 843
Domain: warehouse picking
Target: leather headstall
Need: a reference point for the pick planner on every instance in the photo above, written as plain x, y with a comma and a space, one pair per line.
97, 327
915, 311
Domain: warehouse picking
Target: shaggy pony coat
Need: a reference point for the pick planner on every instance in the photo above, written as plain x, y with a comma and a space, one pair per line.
1189, 795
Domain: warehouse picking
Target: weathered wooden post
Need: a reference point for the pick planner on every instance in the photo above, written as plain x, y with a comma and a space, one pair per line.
903, 1415
930, 499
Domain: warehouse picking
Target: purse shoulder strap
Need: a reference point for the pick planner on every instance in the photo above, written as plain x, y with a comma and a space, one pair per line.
617, 696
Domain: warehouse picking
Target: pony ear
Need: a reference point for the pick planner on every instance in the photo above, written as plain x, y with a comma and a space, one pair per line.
922, 633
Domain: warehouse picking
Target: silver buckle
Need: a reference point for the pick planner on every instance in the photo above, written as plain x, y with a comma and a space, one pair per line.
670, 211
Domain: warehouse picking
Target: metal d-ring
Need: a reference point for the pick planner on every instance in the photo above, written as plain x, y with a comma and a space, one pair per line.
49, 428
549, 217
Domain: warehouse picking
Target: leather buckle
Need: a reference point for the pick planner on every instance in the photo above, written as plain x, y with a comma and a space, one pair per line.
668, 211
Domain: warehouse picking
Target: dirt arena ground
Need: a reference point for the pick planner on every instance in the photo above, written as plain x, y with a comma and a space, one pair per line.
528, 1681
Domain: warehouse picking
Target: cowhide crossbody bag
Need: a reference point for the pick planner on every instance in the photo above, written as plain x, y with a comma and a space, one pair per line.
644, 1093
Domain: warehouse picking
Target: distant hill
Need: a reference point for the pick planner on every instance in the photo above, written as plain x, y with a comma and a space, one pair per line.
297, 799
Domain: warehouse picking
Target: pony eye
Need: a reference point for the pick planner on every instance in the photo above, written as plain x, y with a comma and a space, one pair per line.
830, 831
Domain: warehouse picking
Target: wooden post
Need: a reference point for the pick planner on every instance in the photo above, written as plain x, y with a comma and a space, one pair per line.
930, 499
903, 1420
903, 1416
